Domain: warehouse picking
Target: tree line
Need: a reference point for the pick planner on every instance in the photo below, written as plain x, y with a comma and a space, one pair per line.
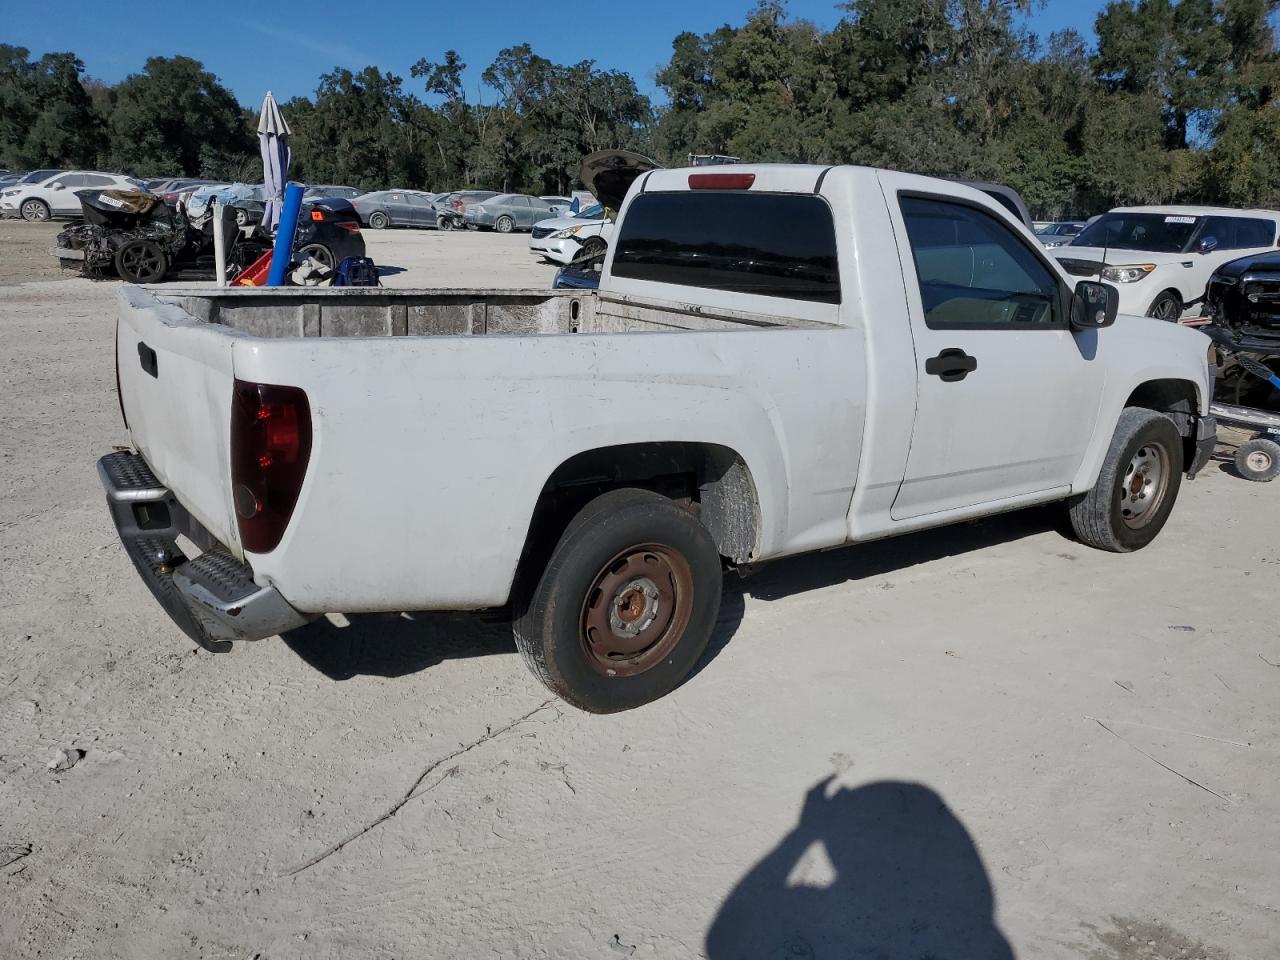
1177, 103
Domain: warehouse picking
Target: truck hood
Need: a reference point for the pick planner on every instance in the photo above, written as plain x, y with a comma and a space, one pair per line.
608, 174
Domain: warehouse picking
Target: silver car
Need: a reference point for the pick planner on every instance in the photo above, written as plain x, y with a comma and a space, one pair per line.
508, 212
395, 208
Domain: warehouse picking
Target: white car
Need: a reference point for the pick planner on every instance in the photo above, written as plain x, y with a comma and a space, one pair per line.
563, 238
56, 196
779, 359
1160, 258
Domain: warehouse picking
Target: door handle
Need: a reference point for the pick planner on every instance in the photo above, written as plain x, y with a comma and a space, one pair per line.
951, 365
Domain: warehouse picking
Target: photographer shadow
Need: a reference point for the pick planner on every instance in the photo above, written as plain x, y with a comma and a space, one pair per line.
880, 871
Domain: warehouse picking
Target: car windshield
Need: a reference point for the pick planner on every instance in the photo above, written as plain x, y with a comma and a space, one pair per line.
594, 212
1157, 232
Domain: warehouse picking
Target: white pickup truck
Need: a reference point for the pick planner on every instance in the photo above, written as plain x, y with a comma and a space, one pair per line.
779, 359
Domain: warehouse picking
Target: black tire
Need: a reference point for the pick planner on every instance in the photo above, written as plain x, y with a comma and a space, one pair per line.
1258, 460
242, 217
591, 247
141, 261
1167, 306
444, 223
379, 220
504, 224
599, 572
34, 209
318, 252
1132, 499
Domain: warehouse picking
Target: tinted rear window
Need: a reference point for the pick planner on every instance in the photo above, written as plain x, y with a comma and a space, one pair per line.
767, 244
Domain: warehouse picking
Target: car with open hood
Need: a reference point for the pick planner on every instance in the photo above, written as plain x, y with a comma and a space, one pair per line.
1160, 258
607, 175
565, 238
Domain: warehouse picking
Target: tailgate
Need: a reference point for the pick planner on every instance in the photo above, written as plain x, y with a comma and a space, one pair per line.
175, 384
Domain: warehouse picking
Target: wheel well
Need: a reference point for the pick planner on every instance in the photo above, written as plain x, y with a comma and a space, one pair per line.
711, 481
1178, 399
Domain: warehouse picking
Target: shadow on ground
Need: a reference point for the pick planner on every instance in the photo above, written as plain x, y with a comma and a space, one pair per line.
395, 645
883, 870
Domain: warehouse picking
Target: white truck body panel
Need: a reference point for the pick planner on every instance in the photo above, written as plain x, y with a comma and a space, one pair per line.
430, 452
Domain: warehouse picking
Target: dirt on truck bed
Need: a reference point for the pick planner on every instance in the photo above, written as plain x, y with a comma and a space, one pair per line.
984, 741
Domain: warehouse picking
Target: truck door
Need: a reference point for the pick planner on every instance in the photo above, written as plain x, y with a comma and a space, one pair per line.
1006, 394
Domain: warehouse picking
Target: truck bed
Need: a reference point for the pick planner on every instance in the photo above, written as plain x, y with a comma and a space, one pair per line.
292, 312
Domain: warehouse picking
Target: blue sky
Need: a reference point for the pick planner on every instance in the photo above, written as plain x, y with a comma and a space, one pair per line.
250, 54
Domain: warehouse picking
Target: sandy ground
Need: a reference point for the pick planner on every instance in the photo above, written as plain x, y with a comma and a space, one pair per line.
982, 742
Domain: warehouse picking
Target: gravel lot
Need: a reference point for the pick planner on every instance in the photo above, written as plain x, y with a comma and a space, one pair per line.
934, 746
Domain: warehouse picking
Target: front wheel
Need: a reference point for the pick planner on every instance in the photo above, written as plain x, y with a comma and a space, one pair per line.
1136, 487
141, 261
444, 223
1167, 306
625, 606
593, 247
35, 210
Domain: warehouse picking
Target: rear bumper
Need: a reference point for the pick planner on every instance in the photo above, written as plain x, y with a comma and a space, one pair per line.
1206, 438
213, 598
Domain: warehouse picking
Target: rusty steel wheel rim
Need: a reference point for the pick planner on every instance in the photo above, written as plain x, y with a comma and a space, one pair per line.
636, 610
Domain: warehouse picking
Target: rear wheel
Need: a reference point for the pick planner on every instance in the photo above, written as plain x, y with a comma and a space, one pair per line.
141, 261
1136, 487
35, 210
1167, 306
625, 606
504, 225
1259, 460
379, 221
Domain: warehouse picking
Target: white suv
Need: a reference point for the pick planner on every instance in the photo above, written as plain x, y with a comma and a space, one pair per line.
56, 196
1160, 258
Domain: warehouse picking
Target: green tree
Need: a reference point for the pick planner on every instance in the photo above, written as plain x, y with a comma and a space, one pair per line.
175, 118
46, 116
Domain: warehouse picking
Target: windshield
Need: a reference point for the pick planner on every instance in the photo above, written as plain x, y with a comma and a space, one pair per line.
594, 212
1157, 232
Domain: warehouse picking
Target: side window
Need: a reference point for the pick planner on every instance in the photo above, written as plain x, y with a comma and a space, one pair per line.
521, 201
395, 198
96, 180
1221, 229
1254, 233
974, 272
68, 181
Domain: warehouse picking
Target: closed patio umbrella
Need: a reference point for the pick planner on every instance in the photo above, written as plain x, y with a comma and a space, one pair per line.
273, 139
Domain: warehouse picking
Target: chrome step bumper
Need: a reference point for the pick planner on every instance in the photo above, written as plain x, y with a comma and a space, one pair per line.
213, 597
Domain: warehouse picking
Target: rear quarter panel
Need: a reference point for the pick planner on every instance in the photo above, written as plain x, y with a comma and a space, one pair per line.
430, 453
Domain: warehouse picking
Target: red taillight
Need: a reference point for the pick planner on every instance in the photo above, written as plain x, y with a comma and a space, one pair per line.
317, 214
348, 225
721, 181
270, 448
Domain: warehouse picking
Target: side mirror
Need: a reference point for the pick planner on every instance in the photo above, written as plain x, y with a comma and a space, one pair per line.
1094, 305
59, 186
1207, 245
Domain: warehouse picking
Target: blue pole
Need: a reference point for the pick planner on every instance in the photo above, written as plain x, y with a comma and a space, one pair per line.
283, 250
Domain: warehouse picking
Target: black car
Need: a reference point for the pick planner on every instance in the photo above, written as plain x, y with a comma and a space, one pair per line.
328, 232
1243, 301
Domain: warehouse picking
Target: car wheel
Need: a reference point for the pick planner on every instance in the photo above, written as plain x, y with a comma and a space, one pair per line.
444, 223
242, 217
1136, 487
35, 210
504, 225
1259, 460
379, 221
319, 253
625, 606
1167, 306
141, 261
592, 247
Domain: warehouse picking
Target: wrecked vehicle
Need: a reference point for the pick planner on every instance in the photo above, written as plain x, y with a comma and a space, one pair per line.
1243, 302
131, 233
